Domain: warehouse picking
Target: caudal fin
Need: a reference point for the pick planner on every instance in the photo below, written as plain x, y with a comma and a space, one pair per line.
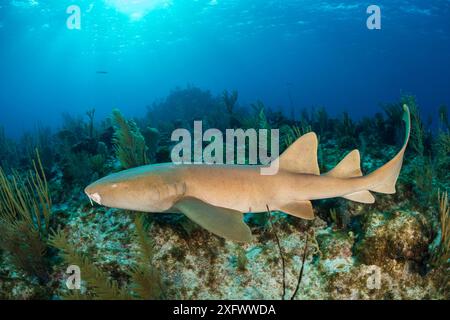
383, 180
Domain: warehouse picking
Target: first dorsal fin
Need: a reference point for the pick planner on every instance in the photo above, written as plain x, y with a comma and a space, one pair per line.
301, 156
349, 167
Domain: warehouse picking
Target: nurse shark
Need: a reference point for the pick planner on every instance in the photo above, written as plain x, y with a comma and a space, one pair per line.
216, 196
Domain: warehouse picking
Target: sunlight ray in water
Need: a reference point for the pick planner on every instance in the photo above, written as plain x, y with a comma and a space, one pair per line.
137, 9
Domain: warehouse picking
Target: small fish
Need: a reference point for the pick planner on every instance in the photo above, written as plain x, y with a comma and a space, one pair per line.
102, 72
91, 6
216, 196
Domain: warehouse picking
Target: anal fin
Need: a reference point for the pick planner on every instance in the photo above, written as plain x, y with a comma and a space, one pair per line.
300, 209
226, 223
361, 196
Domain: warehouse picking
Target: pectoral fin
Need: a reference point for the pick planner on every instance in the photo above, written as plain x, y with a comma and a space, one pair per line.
300, 209
223, 222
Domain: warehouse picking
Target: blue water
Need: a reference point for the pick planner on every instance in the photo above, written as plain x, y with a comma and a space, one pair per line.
319, 53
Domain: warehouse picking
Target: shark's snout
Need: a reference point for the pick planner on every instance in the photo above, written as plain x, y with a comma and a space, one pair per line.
96, 198
93, 195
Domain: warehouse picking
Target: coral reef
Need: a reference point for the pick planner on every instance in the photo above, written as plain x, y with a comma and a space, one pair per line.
397, 248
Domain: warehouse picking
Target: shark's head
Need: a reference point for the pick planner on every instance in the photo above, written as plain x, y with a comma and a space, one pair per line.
134, 189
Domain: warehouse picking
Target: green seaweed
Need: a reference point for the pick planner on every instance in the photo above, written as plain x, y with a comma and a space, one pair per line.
241, 261
25, 212
97, 281
8, 150
292, 133
145, 279
129, 144
441, 253
230, 99
90, 126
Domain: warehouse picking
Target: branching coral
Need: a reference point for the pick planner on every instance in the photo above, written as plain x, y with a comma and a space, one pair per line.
146, 279
339, 219
442, 251
292, 133
152, 138
443, 118
90, 126
423, 177
442, 146
145, 283
8, 154
347, 132
322, 120
230, 99
258, 120
186, 105
96, 279
129, 143
283, 260
417, 140
242, 259
25, 209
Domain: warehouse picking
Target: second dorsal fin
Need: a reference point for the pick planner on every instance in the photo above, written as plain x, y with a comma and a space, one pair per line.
301, 156
349, 167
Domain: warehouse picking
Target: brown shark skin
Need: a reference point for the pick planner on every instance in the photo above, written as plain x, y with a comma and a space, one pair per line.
242, 188
156, 188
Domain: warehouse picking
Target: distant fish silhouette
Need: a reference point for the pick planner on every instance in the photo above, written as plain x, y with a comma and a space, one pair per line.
102, 72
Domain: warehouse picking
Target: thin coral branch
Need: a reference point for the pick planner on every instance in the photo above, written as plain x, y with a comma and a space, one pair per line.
444, 211
283, 262
444, 214
301, 270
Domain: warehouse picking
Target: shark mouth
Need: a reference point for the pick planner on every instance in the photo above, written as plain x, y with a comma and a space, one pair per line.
96, 198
